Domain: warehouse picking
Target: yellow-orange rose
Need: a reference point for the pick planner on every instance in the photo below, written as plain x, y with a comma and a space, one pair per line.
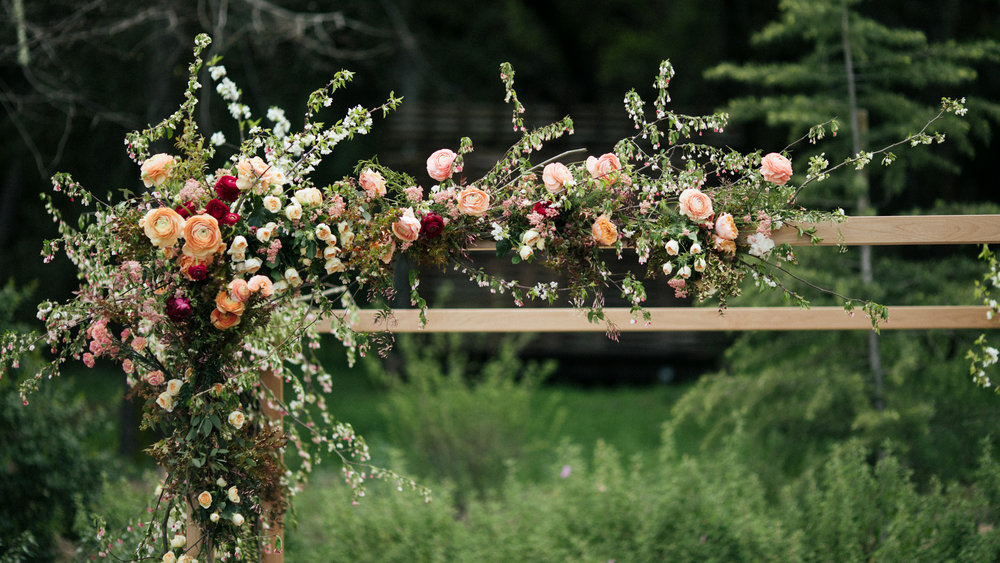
202, 238
156, 169
163, 226
222, 320
695, 204
225, 303
604, 231
725, 245
473, 201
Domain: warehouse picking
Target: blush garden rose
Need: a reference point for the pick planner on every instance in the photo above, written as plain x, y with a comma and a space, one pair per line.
439, 164
473, 201
775, 168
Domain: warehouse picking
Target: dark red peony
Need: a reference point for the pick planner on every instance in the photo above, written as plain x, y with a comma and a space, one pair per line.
218, 209
186, 209
197, 272
225, 188
178, 308
431, 225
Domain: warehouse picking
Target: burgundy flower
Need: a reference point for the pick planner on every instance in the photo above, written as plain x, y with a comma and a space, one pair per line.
186, 209
197, 272
541, 207
431, 225
231, 219
218, 209
225, 188
178, 308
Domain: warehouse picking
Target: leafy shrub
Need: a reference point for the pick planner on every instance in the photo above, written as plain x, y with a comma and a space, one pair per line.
461, 421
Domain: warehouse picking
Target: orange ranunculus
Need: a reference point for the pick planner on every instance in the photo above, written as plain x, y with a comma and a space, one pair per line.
225, 303
473, 201
262, 284
239, 290
223, 321
202, 238
604, 231
163, 226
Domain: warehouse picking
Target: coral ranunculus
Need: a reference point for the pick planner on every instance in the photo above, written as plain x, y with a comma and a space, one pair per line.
202, 237
775, 168
439, 164
473, 201
227, 304
163, 226
156, 169
222, 320
604, 231
695, 204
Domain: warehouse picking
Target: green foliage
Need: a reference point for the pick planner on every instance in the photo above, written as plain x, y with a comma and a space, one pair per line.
463, 422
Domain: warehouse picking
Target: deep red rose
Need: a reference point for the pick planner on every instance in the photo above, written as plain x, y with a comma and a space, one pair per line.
231, 219
186, 209
178, 308
197, 272
541, 207
431, 225
218, 209
225, 188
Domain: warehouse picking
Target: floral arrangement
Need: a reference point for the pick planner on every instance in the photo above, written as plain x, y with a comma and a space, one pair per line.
220, 268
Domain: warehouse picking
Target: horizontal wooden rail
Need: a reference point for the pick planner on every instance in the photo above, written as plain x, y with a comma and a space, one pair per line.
885, 230
675, 319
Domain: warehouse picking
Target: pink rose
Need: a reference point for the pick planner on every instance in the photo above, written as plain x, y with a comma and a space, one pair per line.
156, 169
263, 284
695, 204
604, 168
408, 227
775, 168
155, 378
725, 227
439, 164
239, 290
555, 176
473, 201
373, 183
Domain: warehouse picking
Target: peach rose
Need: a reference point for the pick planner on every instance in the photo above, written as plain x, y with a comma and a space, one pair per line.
408, 227
156, 169
262, 284
256, 173
272, 204
439, 164
309, 196
163, 226
202, 237
224, 321
695, 204
473, 201
239, 290
725, 245
604, 168
604, 231
556, 176
775, 168
373, 183
205, 499
225, 303
725, 227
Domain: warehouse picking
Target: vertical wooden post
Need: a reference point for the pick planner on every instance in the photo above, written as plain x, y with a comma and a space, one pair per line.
275, 535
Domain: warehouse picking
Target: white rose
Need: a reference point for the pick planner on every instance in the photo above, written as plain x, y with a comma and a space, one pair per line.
252, 265
214, 517
272, 204
178, 541
668, 268
294, 212
292, 277
220, 482
238, 519
166, 401
696, 248
324, 233
673, 247
684, 272
525, 252
237, 418
233, 494
700, 265
169, 557
530, 238
309, 196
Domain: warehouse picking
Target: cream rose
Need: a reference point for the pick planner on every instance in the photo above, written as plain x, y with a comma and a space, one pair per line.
233, 494
272, 204
407, 228
700, 265
330, 252
695, 248
165, 401
473, 201
695, 204
214, 517
439, 164
294, 212
252, 265
668, 268
174, 387
324, 233
238, 519
525, 252
556, 176
684, 272
156, 169
237, 418
604, 231
775, 168
672, 247
531, 238
309, 196
262, 284
334, 265
178, 541
239, 245
169, 557
205, 499
256, 173
163, 226
202, 237
265, 233
725, 245
725, 227
373, 183
292, 277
